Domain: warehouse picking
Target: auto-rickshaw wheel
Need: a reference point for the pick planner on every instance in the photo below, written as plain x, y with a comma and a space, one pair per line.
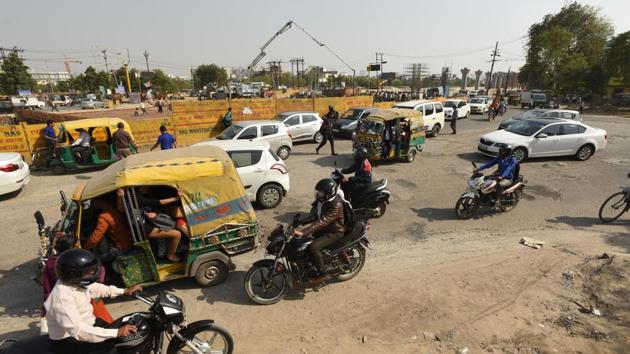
411, 155
211, 273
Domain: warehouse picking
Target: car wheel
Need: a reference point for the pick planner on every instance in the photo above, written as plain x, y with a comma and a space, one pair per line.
467, 114
584, 152
520, 154
318, 137
284, 152
269, 196
435, 131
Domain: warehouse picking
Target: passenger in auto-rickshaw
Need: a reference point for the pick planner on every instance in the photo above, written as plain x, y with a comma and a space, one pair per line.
170, 203
82, 146
388, 137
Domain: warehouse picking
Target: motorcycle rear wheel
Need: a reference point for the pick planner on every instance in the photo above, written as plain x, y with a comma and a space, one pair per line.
507, 206
260, 282
465, 208
355, 267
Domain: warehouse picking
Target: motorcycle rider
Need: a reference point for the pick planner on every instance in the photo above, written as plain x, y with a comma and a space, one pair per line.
72, 326
362, 170
325, 222
507, 165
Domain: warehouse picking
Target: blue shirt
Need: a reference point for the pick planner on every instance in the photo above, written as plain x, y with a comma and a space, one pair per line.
227, 118
166, 141
50, 132
506, 166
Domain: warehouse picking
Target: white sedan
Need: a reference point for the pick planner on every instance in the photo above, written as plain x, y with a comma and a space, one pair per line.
545, 138
463, 109
14, 172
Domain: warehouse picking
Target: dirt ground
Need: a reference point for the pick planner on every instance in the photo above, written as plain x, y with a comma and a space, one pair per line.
432, 283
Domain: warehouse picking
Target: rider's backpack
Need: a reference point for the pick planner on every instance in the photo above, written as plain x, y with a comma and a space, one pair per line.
348, 216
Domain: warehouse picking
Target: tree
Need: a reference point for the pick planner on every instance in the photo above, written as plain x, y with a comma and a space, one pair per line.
210, 74
618, 58
565, 49
15, 75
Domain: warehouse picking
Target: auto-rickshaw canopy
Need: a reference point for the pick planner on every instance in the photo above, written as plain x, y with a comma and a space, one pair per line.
212, 191
108, 122
394, 113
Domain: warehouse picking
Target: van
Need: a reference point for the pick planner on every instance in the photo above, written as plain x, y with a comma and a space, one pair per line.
433, 114
533, 99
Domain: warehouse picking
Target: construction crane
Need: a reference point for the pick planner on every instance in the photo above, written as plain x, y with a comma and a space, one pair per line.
67, 62
285, 28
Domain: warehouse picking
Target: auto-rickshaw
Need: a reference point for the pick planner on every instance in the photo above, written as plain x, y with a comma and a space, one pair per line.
219, 215
103, 152
406, 132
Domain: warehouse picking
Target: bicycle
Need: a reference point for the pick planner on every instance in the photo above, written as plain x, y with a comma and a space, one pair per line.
616, 204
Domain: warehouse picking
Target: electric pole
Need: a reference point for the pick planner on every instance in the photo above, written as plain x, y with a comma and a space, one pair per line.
146, 57
507, 78
192, 78
109, 79
494, 55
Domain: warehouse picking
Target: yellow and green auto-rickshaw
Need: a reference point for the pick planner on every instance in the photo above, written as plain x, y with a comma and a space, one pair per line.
218, 213
403, 127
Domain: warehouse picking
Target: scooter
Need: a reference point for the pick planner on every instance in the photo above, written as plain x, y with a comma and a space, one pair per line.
481, 192
166, 315
370, 202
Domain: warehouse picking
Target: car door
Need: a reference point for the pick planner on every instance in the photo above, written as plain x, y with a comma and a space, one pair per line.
311, 125
293, 126
569, 138
438, 114
429, 117
269, 133
548, 146
462, 109
249, 133
250, 168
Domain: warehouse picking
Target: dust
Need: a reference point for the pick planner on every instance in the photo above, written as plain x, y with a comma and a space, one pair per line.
417, 232
544, 191
405, 183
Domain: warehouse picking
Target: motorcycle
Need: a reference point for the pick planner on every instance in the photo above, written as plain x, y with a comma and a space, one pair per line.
268, 280
369, 202
166, 316
481, 192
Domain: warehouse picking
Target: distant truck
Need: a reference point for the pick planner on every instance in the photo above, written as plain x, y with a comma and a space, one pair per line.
27, 102
533, 99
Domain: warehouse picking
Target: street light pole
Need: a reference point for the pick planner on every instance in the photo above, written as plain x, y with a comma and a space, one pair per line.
146, 57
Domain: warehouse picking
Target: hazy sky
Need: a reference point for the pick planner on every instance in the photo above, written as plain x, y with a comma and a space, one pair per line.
179, 34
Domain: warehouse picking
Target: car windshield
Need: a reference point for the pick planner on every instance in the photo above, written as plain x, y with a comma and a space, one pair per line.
451, 104
540, 97
230, 133
525, 127
351, 114
281, 117
528, 114
476, 100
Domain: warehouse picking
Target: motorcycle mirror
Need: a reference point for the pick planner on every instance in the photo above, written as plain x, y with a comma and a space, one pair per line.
64, 202
39, 218
474, 164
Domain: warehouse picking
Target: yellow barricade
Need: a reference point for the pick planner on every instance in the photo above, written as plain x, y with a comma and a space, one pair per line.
146, 131
341, 104
384, 105
13, 139
253, 109
196, 121
294, 104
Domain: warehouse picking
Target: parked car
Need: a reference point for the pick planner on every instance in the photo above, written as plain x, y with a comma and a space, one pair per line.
14, 172
463, 109
273, 132
433, 113
544, 138
6, 107
349, 121
62, 100
92, 104
479, 105
533, 98
542, 114
302, 126
264, 175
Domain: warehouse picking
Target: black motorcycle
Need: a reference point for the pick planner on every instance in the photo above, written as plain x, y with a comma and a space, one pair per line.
369, 202
268, 280
166, 317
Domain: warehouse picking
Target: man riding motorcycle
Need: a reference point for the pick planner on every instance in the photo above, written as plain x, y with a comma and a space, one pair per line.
362, 170
507, 165
326, 222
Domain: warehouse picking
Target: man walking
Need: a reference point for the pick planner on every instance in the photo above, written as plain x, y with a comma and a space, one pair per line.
165, 141
326, 129
159, 106
454, 120
143, 108
122, 141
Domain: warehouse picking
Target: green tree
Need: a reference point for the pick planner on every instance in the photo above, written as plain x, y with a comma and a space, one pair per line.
15, 75
210, 74
564, 50
618, 58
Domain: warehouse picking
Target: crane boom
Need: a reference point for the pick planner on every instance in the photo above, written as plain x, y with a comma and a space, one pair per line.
262, 53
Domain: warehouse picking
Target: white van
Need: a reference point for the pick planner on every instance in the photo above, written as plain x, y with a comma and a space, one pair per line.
264, 175
433, 114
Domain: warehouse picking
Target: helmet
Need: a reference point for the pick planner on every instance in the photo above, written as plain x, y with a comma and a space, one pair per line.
325, 189
505, 150
77, 267
330, 107
360, 154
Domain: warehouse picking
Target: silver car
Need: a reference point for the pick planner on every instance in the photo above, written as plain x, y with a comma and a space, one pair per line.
273, 132
92, 104
302, 126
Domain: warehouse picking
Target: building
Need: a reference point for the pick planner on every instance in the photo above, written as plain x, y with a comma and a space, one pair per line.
53, 77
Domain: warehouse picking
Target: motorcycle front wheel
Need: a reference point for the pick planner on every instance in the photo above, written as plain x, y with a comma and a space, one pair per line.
351, 266
465, 207
212, 339
265, 286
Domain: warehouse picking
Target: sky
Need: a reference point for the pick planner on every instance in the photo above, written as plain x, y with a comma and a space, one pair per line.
181, 34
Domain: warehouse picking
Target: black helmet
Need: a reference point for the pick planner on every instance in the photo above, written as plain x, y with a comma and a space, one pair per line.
360, 154
330, 107
77, 267
325, 189
505, 150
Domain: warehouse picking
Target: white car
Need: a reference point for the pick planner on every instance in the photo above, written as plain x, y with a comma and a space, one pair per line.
92, 104
463, 109
264, 175
479, 105
273, 132
302, 126
544, 138
433, 114
14, 172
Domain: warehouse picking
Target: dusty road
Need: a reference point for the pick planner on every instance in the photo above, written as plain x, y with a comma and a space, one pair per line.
432, 283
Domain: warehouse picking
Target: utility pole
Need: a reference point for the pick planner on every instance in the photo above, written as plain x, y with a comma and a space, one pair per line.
192, 78
14, 50
146, 57
507, 78
494, 55
109, 79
